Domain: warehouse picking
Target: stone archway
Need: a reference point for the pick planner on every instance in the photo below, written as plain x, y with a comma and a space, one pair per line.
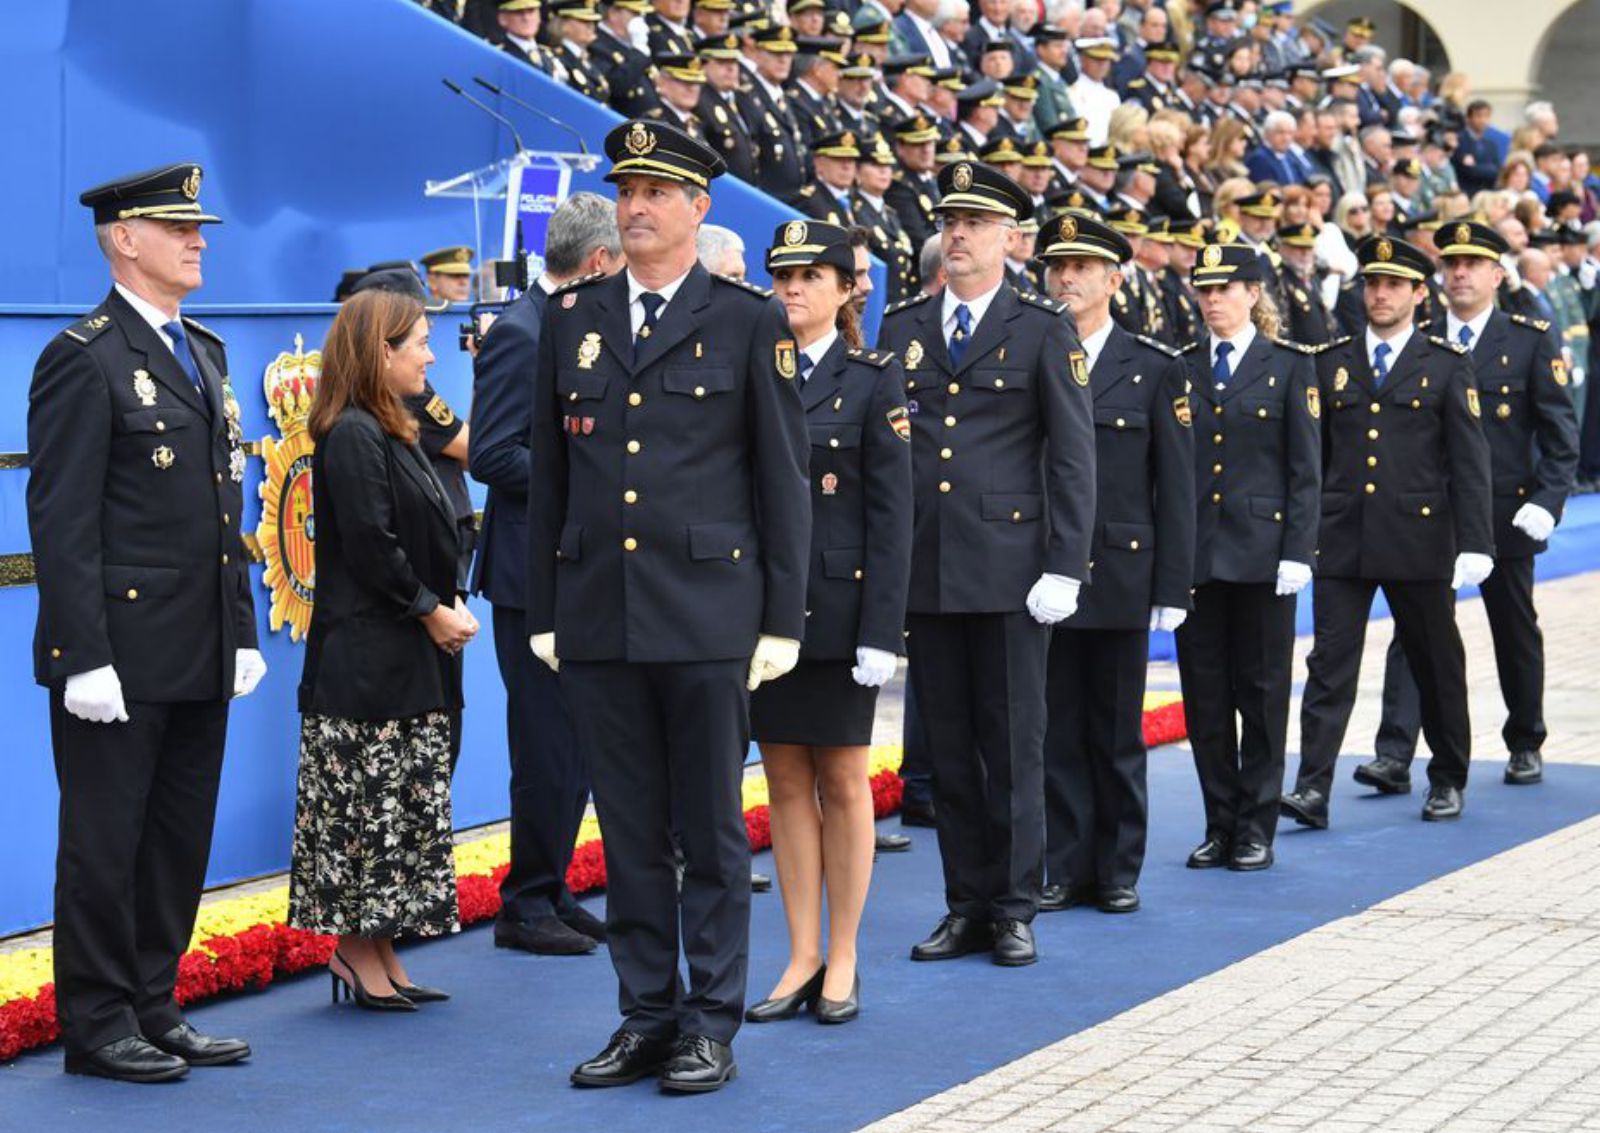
1563, 72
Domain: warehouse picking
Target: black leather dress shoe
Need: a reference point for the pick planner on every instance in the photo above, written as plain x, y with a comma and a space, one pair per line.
1525, 768
1118, 899
891, 843
628, 1057
1247, 857
1058, 897
546, 936
1388, 776
132, 1059
1013, 944
200, 1050
1210, 854
956, 936
760, 882
1443, 805
579, 919
916, 813
698, 1065
776, 1008
1308, 808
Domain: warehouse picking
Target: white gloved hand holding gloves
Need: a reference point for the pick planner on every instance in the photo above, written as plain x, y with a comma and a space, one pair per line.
248, 669
774, 656
1167, 618
1471, 569
544, 648
1534, 522
1292, 577
874, 668
1054, 598
96, 696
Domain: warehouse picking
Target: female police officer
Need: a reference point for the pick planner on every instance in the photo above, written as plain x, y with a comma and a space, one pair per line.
815, 724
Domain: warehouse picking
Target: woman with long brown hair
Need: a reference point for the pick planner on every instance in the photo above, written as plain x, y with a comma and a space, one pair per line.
815, 724
372, 856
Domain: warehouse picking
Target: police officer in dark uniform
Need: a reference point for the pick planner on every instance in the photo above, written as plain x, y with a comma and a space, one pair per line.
574, 23
146, 627
828, 197
519, 28
1406, 506
1300, 283
1143, 558
1003, 472
622, 65
1533, 453
781, 159
1258, 472
886, 239
1178, 299
669, 528
915, 188
724, 127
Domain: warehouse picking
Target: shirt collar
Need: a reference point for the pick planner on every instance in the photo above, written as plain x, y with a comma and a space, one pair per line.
819, 348
1454, 324
546, 284
636, 289
1396, 344
976, 307
1096, 342
1241, 342
147, 311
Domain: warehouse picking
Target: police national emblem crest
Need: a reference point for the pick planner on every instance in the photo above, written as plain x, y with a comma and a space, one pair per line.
287, 531
962, 177
641, 140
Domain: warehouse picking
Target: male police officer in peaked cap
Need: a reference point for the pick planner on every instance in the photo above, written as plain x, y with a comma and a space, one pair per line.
146, 628
670, 528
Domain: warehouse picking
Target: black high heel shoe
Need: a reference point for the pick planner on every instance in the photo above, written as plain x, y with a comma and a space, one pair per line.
418, 993
353, 988
788, 1006
839, 1010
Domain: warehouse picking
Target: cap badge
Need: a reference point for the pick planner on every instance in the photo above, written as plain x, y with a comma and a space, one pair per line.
1212, 256
1069, 228
1384, 251
962, 177
794, 233
1463, 234
191, 183
640, 140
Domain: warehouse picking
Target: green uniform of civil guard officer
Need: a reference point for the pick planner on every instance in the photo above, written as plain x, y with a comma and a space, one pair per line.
1406, 505
146, 627
669, 528
1002, 454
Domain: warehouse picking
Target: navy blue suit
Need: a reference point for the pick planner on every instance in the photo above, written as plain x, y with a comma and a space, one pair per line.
549, 775
1264, 165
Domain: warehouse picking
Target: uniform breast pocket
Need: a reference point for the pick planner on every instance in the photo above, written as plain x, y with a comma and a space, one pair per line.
994, 380
833, 437
1262, 409
1415, 400
1115, 420
842, 563
134, 584
1012, 507
1500, 400
582, 385
1128, 536
154, 421
698, 382
1267, 508
1422, 505
721, 542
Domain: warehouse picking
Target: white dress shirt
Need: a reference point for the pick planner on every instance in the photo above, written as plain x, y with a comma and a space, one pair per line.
1095, 343
636, 308
1454, 326
820, 347
150, 313
1094, 101
1241, 342
1396, 345
937, 47
976, 307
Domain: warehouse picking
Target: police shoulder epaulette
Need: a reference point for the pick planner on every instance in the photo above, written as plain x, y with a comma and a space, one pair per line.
205, 330
745, 284
1189, 349
1445, 342
1540, 325
1033, 298
572, 284
89, 327
1297, 347
905, 303
1157, 344
877, 358
1137, 84
809, 190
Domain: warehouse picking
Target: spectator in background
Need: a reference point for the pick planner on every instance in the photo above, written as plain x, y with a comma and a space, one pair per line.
1230, 139
1438, 174
721, 250
1353, 216
1377, 152
1273, 160
1516, 175
1541, 116
1478, 154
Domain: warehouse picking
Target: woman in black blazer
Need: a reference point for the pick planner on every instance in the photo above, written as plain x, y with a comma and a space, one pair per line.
815, 724
372, 836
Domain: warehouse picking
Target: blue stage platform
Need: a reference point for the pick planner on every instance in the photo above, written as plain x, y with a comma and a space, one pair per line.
497, 1056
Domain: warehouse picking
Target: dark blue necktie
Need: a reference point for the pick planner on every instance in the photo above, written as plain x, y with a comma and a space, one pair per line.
652, 304
1220, 372
805, 368
963, 332
181, 351
1465, 336
1380, 363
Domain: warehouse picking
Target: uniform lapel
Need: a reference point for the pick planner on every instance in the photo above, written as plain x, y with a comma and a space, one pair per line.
678, 320
824, 381
1491, 342
1250, 369
615, 327
1109, 372
1198, 363
159, 361
930, 318
1406, 365
213, 380
991, 330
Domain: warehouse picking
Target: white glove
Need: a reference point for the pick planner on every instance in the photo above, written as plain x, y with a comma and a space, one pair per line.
1053, 598
1292, 577
544, 648
774, 656
1534, 522
1167, 618
874, 667
96, 696
1471, 569
248, 669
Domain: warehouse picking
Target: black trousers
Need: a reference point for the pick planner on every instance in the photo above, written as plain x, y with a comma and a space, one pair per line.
916, 766
667, 744
1518, 658
1425, 623
981, 680
1235, 659
137, 805
549, 777
1096, 809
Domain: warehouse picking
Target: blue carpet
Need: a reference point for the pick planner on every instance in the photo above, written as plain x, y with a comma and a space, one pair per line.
497, 1057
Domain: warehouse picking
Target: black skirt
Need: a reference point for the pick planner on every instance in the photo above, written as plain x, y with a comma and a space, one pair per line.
817, 704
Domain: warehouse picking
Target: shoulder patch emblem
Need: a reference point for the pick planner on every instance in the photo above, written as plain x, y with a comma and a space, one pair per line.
1181, 410
1314, 402
1445, 342
783, 357
1558, 371
440, 410
899, 419
1079, 363
1034, 299
1472, 402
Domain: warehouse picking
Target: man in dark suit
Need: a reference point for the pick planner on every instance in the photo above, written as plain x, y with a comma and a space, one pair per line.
668, 537
1533, 452
1003, 470
549, 774
1143, 547
146, 627
1406, 505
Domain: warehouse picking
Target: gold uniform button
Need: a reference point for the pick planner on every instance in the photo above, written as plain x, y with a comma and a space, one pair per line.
1133, 544
1426, 510
858, 575
1505, 389
954, 387
1372, 434
636, 399
1016, 516
1216, 468
630, 497
132, 595
1261, 412
999, 383
1521, 491
573, 396
735, 554
1371, 488
1277, 517
944, 485
1415, 404
1217, 409
56, 653
1122, 423
219, 477
1372, 462
224, 560
949, 422
833, 442
1216, 497
630, 544
634, 446
946, 454
699, 391
1374, 408
226, 519
1216, 438
161, 426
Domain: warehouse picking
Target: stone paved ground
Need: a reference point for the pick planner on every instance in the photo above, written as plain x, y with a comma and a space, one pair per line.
1470, 1004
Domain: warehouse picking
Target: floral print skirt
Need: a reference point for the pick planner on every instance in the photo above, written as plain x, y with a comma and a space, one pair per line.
373, 854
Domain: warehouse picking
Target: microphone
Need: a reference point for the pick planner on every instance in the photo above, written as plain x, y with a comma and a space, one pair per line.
548, 117
491, 112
